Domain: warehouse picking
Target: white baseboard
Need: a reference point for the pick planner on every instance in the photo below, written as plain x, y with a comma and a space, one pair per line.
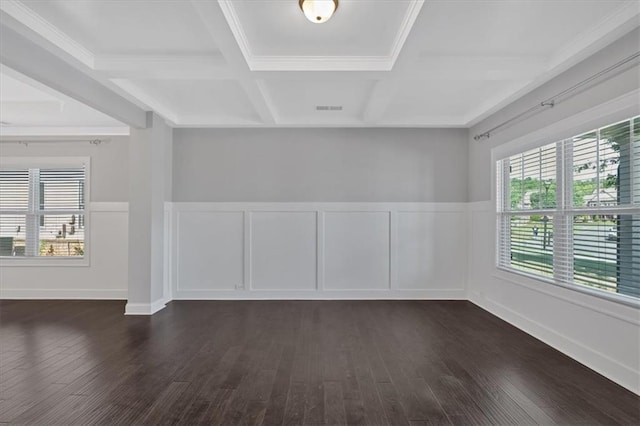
599, 362
40, 293
144, 308
445, 294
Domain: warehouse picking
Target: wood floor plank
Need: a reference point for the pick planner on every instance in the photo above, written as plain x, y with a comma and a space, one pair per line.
334, 404
290, 363
294, 409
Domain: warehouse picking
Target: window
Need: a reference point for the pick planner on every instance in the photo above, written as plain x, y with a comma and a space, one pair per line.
570, 211
42, 209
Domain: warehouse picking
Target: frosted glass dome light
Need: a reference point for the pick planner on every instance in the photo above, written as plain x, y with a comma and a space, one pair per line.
318, 11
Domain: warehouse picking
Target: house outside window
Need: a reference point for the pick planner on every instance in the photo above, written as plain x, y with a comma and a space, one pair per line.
42, 209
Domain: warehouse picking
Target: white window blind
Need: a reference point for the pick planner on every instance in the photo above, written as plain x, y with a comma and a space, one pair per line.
570, 211
42, 212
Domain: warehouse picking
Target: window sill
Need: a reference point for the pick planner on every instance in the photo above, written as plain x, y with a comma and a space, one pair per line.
532, 282
65, 262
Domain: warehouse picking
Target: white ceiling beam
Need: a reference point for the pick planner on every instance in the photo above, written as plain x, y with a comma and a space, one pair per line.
216, 24
27, 23
30, 19
151, 101
385, 89
215, 67
195, 121
432, 67
476, 68
28, 58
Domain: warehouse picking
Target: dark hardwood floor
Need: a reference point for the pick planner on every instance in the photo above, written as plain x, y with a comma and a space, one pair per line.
291, 363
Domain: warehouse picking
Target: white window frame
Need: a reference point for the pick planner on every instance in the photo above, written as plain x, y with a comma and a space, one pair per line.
54, 162
616, 110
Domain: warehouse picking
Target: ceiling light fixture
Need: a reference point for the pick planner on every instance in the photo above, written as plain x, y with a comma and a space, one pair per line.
318, 11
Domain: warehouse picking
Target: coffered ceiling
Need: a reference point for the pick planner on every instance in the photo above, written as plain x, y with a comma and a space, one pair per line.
254, 63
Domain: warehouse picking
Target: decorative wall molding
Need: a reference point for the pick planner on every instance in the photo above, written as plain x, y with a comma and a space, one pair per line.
318, 250
318, 206
430, 294
320, 63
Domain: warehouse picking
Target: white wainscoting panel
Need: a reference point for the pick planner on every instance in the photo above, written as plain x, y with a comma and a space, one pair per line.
210, 250
432, 250
356, 251
283, 250
318, 250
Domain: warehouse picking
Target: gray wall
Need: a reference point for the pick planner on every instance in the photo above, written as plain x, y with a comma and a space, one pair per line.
599, 333
328, 165
622, 83
109, 162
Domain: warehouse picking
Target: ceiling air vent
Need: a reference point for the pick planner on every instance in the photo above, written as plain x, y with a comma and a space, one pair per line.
328, 107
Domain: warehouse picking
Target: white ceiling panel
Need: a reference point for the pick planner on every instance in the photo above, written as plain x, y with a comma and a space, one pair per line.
358, 28
27, 104
432, 100
523, 27
262, 63
319, 101
199, 102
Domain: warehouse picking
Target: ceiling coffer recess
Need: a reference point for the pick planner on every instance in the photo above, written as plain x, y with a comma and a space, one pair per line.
318, 11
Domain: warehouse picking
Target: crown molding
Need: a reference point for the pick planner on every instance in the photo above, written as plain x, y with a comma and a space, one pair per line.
320, 63
26, 16
405, 28
196, 121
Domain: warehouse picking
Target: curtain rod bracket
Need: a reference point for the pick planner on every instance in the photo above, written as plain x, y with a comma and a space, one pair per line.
482, 136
